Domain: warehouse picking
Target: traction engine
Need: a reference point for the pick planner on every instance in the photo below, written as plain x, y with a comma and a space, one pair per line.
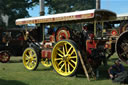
65, 49
65, 58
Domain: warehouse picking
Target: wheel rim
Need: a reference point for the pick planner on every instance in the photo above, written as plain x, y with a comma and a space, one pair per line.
46, 62
5, 57
125, 27
62, 33
64, 58
30, 59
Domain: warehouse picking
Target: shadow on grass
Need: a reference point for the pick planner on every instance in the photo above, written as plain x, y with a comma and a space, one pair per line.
15, 61
11, 82
45, 69
103, 73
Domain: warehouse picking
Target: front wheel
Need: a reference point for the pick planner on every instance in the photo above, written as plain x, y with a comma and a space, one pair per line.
65, 58
30, 58
46, 62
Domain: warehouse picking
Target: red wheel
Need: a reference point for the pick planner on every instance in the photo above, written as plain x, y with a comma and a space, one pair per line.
62, 33
5, 57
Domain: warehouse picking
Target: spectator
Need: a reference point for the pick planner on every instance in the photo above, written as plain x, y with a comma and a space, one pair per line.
115, 69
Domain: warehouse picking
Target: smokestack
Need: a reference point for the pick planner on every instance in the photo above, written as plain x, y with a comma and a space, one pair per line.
41, 7
97, 4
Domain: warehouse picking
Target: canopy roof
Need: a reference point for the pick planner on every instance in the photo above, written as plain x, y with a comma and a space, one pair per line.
122, 16
70, 16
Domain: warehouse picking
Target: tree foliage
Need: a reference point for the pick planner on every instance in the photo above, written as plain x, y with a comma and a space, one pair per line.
18, 8
14, 9
60, 6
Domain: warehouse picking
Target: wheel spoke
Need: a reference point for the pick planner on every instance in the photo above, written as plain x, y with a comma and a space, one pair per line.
34, 55
63, 51
30, 64
61, 67
65, 44
30, 52
60, 55
69, 50
60, 63
34, 59
60, 51
72, 57
46, 61
26, 59
65, 67
27, 63
68, 67
72, 52
73, 62
71, 65
34, 62
58, 59
27, 56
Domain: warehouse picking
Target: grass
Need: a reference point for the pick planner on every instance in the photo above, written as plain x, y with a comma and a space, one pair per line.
14, 73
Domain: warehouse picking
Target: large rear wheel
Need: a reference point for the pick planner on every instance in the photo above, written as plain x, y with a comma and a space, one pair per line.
30, 58
122, 46
65, 58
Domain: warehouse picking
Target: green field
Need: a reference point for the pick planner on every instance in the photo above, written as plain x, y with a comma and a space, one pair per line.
14, 73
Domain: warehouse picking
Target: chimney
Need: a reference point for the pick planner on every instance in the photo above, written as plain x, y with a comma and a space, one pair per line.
41, 7
97, 4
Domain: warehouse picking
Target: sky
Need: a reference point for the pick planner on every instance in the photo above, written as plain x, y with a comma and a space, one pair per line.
117, 6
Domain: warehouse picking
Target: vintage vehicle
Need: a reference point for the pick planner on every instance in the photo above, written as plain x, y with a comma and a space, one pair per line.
122, 41
13, 40
113, 31
12, 43
70, 36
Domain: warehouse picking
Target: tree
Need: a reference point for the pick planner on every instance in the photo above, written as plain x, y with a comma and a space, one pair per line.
10, 10
60, 6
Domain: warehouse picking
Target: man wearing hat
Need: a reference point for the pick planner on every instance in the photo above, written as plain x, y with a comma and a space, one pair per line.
115, 69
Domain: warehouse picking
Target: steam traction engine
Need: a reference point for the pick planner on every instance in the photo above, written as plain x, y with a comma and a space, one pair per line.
62, 48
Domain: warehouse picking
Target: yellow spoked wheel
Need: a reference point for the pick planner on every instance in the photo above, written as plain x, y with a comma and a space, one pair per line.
46, 62
65, 58
30, 59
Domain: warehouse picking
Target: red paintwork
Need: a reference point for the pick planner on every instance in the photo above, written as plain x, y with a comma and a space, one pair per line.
52, 38
114, 32
46, 53
90, 44
63, 33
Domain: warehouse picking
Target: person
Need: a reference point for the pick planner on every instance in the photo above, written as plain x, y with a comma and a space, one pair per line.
115, 69
85, 32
